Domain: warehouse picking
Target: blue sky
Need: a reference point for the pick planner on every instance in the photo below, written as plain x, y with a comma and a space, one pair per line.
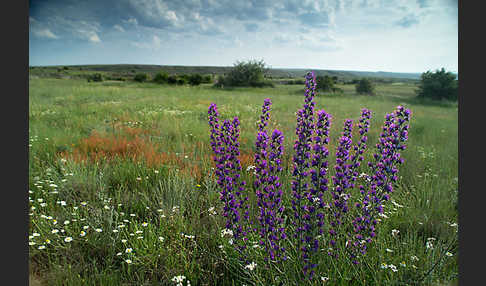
369, 35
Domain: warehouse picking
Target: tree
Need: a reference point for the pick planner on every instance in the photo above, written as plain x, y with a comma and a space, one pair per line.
438, 85
195, 79
161, 77
365, 86
249, 73
140, 77
324, 83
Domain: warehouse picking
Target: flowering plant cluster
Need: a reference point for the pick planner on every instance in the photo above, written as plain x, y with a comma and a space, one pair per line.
325, 213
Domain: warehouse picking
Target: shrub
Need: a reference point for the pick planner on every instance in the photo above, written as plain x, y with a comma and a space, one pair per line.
365, 86
195, 79
172, 79
181, 80
207, 79
95, 77
140, 77
249, 73
161, 77
324, 83
346, 225
438, 85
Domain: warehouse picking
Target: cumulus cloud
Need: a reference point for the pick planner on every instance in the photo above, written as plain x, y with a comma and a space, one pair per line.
119, 28
44, 33
154, 44
39, 30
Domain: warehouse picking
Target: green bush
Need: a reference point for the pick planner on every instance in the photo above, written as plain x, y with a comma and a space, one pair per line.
195, 79
438, 85
324, 83
172, 79
95, 77
140, 77
249, 73
365, 86
161, 77
207, 79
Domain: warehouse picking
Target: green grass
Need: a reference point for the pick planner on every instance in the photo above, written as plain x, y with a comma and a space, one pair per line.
163, 178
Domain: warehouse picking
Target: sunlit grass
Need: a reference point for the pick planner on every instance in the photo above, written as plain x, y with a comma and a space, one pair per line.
134, 161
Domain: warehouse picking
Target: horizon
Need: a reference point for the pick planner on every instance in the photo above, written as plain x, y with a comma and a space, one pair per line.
373, 36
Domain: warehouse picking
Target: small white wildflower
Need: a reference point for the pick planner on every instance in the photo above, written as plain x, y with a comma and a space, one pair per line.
41, 247
324, 279
68, 239
251, 266
31, 243
138, 231
128, 261
128, 250
393, 267
115, 230
178, 279
35, 234
85, 227
395, 232
40, 200
123, 240
66, 222
384, 266
118, 254
43, 204
83, 233
403, 264
449, 254
84, 203
414, 258
106, 207
226, 232
133, 215
161, 239
144, 224
389, 250
98, 230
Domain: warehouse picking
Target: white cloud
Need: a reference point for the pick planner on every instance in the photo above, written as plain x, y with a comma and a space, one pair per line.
155, 44
119, 28
44, 33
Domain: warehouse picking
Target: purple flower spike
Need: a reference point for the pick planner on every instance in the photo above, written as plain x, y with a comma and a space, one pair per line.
224, 142
379, 185
268, 158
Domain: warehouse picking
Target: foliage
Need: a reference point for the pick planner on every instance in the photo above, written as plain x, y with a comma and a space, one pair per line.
325, 83
97, 77
141, 77
345, 226
150, 162
172, 79
438, 85
365, 86
161, 77
195, 79
250, 73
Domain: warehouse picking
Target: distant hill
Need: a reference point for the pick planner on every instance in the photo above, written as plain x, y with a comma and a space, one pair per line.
132, 69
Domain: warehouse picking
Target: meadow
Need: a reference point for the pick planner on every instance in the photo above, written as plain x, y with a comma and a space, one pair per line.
122, 188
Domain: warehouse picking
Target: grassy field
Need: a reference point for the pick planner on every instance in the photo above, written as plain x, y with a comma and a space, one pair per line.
122, 191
